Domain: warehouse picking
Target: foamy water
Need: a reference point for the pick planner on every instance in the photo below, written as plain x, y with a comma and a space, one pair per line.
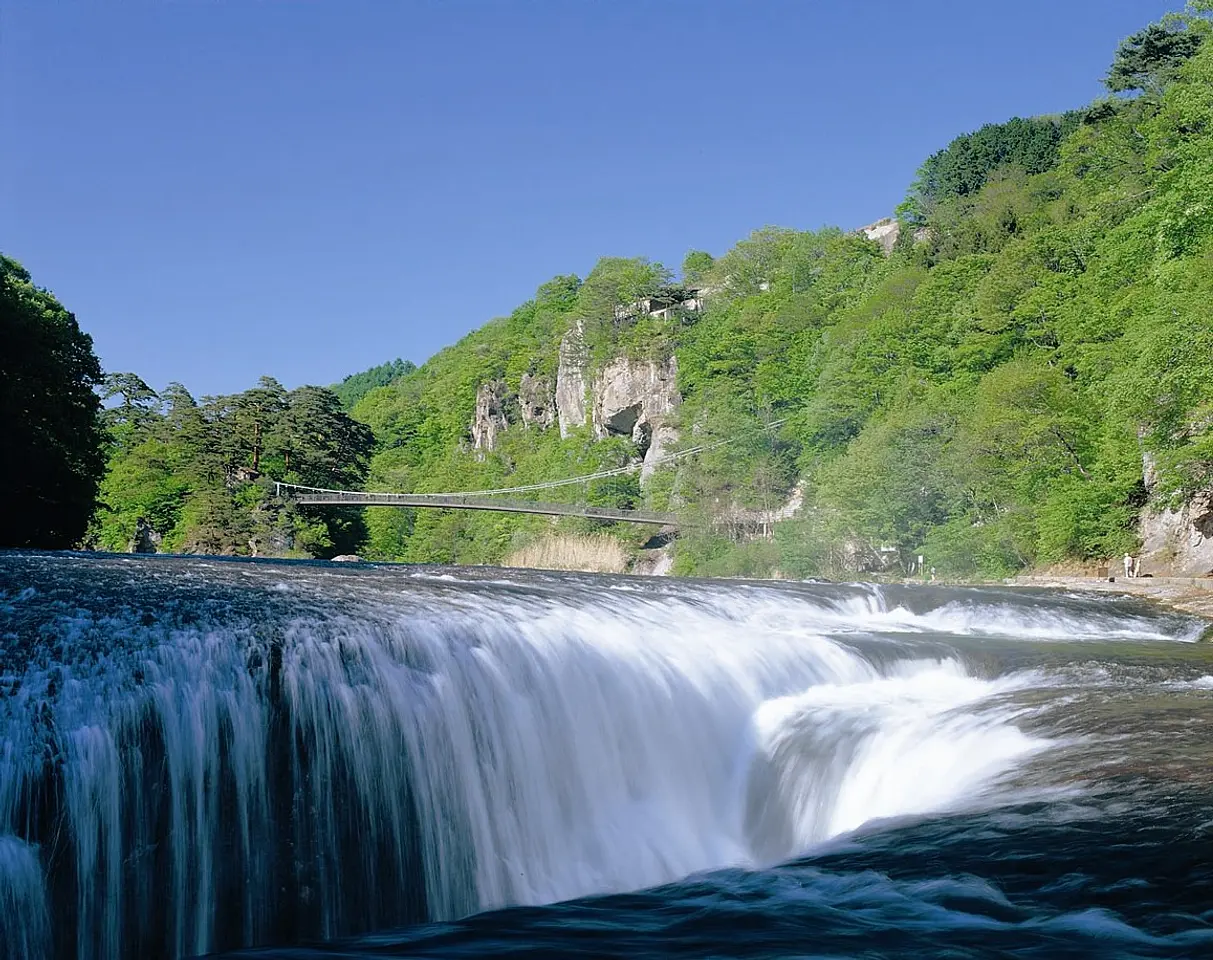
226, 754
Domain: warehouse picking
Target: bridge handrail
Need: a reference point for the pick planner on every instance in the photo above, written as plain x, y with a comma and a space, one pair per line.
570, 481
316, 496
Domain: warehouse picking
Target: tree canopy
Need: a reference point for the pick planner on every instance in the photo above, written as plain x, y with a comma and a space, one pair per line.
966, 164
198, 477
1150, 58
52, 446
357, 385
1010, 385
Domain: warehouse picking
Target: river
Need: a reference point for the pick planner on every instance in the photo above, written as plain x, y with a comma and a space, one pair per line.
203, 755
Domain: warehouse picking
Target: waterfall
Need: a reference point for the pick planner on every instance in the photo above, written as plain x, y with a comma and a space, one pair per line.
201, 758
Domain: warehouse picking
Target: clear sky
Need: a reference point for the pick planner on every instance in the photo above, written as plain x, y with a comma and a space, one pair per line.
225, 188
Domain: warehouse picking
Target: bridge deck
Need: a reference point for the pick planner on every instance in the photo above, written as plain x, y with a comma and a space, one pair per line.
449, 502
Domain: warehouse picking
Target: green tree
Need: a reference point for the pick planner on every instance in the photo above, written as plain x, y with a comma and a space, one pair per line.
1150, 58
53, 459
696, 266
318, 442
357, 385
965, 165
138, 403
616, 282
253, 414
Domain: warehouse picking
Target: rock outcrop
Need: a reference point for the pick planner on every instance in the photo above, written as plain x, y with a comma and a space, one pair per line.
661, 443
753, 523
656, 562
145, 540
535, 401
634, 398
630, 398
571, 379
885, 232
1178, 541
792, 505
490, 418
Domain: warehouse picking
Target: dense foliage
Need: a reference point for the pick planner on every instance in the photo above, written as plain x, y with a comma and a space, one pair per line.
52, 444
357, 385
984, 396
1151, 57
964, 166
198, 477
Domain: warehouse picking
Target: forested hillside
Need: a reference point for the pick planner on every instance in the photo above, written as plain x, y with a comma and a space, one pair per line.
198, 477
982, 395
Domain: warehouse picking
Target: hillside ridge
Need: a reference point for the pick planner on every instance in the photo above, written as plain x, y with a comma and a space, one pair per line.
1010, 372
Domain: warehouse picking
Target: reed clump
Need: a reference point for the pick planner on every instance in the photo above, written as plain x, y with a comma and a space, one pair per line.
588, 553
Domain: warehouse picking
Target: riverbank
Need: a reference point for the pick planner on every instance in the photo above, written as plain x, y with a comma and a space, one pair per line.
1189, 594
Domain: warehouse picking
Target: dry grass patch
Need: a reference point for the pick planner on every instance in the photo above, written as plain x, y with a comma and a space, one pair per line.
589, 553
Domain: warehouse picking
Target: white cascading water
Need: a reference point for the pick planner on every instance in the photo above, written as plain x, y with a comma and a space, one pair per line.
25, 930
840, 755
490, 747
587, 753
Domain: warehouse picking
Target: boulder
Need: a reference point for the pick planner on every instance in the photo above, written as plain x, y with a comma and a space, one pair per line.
885, 232
656, 562
663, 438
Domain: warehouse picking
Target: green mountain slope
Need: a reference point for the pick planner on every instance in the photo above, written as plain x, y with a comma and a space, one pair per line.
982, 394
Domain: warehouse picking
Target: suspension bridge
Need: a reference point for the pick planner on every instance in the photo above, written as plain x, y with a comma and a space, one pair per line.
493, 499
314, 497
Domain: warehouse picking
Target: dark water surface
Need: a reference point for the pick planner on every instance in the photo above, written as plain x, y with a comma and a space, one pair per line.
200, 756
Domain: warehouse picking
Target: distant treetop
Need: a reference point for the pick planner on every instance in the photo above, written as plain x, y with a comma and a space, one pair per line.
1148, 59
964, 165
357, 385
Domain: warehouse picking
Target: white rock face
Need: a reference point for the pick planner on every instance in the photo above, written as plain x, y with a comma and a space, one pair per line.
794, 502
663, 439
570, 379
885, 232
634, 398
1179, 543
535, 401
630, 398
628, 393
1149, 469
1175, 542
490, 418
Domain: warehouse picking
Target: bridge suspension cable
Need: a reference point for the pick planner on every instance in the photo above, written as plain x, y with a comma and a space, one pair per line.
570, 481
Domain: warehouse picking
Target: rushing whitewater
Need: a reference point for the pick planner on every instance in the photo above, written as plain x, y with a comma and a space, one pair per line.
203, 755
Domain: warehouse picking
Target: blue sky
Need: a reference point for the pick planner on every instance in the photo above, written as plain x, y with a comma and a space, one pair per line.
224, 189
